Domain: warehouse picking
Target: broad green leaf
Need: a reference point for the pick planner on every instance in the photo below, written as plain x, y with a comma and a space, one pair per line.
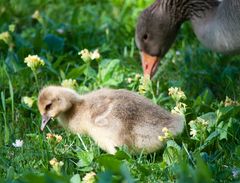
75, 179
121, 155
109, 72
76, 72
223, 129
90, 72
210, 139
13, 63
109, 162
85, 158
171, 153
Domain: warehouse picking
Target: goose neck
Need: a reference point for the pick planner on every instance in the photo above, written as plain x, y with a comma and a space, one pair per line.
182, 10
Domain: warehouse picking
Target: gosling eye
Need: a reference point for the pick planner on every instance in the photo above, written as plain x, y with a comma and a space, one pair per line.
48, 107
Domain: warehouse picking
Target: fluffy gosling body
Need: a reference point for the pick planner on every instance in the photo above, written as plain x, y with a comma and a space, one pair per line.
113, 118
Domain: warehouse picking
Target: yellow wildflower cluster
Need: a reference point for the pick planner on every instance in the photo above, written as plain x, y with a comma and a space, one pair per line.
37, 16
34, 62
57, 138
145, 84
199, 120
129, 80
87, 55
177, 94
137, 77
193, 132
6, 37
28, 101
69, 83
229, 102
197, 127
180, 108
167, 134
56, 165
89, 178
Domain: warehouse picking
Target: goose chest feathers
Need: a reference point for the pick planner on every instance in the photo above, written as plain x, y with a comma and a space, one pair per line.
113, 118
216, 24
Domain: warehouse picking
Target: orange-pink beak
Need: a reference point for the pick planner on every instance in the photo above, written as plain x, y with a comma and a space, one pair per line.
149, 64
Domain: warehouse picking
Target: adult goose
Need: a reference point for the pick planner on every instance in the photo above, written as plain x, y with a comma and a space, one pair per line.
216, 24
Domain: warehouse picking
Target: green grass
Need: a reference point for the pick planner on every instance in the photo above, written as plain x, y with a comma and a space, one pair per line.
64, 28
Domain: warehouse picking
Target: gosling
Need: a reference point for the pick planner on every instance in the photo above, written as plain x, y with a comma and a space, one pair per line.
112, 118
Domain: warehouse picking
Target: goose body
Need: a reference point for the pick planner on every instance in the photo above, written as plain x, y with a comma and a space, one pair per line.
113, 118
215, 23
219, 27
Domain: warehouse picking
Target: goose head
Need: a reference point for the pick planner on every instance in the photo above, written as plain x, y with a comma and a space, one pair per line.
53, 101
158, 25
155, 32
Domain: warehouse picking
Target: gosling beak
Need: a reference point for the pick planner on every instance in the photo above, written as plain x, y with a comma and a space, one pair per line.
149, 64
45, 120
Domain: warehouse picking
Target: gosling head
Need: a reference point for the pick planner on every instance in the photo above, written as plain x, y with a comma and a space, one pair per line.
53, 101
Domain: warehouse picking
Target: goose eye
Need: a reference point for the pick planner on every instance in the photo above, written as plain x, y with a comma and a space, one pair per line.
145, 37
48, 107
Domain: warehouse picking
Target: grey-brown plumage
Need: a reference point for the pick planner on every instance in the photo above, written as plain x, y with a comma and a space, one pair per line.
113, 118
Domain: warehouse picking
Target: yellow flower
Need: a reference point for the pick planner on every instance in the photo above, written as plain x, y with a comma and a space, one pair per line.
86, 55
176, 93
89, 178
37, 16
167, 134
53, 162
95, 55
28, 101
34, 61
51, 136
56, 165
137, 76
69, 83
164, 130
58, 138
161, 138
193, 132
230, 102
144, 86
202, 121
180, 108
129, 80
6, 37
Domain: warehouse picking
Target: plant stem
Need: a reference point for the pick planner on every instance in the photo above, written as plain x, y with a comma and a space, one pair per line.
36, 79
